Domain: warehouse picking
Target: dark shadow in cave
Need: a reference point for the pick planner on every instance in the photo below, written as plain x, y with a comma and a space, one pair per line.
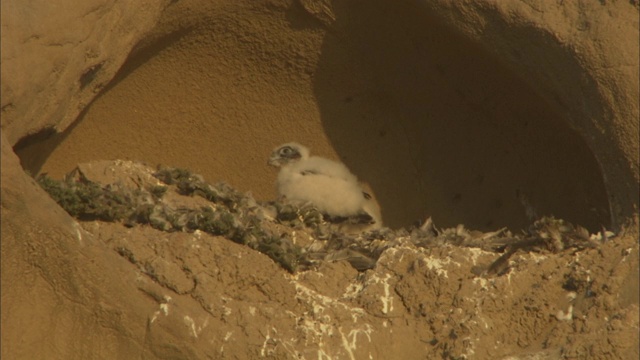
440, 128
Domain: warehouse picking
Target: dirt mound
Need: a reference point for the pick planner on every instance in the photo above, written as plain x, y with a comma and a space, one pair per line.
427, 293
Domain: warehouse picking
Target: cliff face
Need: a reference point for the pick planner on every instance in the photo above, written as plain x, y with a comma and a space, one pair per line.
57, 57
489, 114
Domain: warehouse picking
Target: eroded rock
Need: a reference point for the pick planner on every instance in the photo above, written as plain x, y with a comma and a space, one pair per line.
97, 289
422, 297
57, 57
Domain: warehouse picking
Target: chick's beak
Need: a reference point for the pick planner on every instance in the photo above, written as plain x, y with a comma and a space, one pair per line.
273, 161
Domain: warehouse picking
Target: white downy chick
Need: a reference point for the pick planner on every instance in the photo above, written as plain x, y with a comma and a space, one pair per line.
326, 184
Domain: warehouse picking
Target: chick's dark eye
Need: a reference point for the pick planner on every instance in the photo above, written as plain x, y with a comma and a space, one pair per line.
286, 151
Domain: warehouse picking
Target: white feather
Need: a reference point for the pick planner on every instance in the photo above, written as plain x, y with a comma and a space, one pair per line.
326, 184
332, 195
325, 167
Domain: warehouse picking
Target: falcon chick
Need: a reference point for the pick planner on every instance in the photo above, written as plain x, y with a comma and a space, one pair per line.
326, 184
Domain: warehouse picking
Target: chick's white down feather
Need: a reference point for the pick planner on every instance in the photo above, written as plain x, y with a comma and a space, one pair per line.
332, 195
326, 184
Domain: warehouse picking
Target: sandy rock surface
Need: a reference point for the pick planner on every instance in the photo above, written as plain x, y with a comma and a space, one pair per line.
489, 114
194, 295
472, 113
57, 57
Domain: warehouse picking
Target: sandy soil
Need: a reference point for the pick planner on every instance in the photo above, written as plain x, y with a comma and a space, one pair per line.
423, 297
